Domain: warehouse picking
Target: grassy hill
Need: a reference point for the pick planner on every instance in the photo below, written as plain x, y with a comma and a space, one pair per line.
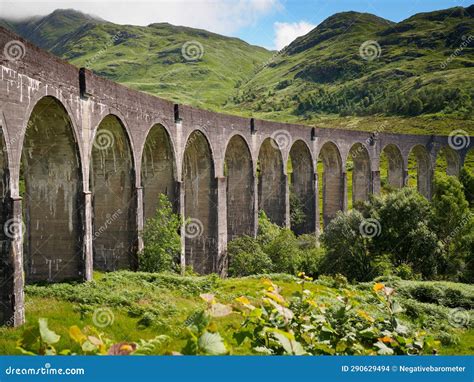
128, 306
411, 77
414, 76
149, 58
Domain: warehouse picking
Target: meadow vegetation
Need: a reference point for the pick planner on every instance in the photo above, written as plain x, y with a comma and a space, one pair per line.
407, 289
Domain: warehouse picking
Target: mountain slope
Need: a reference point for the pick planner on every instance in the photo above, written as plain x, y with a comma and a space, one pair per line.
149, 58
354, 70
408, 69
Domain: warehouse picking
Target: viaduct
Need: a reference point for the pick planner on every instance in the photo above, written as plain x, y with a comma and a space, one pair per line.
84, 159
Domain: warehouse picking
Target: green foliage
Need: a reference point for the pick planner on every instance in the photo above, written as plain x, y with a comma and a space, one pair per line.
40, 340
284, 252
299, 325
311, 255
454, 224
405, 219
246, 257
267, 231
162, 243
467, 180
415, 74
148, 304
202, 336
347, 251
405, 272
297, 214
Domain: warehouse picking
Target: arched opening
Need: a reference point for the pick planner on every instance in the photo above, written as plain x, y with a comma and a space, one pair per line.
200, 205
448, 161
51, 185
271, 182
5, 237
419, 170
113, 198
302, 189
331, 183
469, 161
158, 171
240, 189
358, 175
392, 172
467, 178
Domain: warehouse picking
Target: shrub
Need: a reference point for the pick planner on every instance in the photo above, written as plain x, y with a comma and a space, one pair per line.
301, 326
267, 231
347, 251
162, 243
284, 252
310, 261
405, 219
247, 258
405, 272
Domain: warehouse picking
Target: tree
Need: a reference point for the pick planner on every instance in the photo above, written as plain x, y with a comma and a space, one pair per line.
406, 232
467, 180
348, 251
453, 222
162, 243
246, 257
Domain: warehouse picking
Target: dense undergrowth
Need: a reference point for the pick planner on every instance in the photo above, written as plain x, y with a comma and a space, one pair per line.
160, 313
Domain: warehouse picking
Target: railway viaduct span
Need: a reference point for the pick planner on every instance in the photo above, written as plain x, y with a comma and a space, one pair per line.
84, 159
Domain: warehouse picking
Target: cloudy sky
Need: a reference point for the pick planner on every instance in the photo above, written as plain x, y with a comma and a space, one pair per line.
269, 23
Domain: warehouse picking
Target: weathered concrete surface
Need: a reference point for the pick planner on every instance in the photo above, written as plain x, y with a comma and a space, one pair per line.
114, 189
52, 183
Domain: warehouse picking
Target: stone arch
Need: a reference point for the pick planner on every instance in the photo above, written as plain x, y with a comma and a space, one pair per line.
272, 182
359, 174
5, 240
448, 161
158, 170
302, 189
332, 181
469, 167
419, 160
200, 204
51, 185
113, 197
240, 188
395, 177
469, 161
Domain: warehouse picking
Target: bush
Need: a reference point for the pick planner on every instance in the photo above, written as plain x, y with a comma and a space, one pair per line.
162, 243
405, 272
247, 258
446, 294
267, 231
347, 251
310, 261
284, 252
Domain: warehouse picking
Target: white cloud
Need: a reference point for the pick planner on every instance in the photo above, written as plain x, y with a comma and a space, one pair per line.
285, 33
224, 16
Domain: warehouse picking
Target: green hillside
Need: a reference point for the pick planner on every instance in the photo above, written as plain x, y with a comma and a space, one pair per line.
149, 58
415, 76
410, 77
